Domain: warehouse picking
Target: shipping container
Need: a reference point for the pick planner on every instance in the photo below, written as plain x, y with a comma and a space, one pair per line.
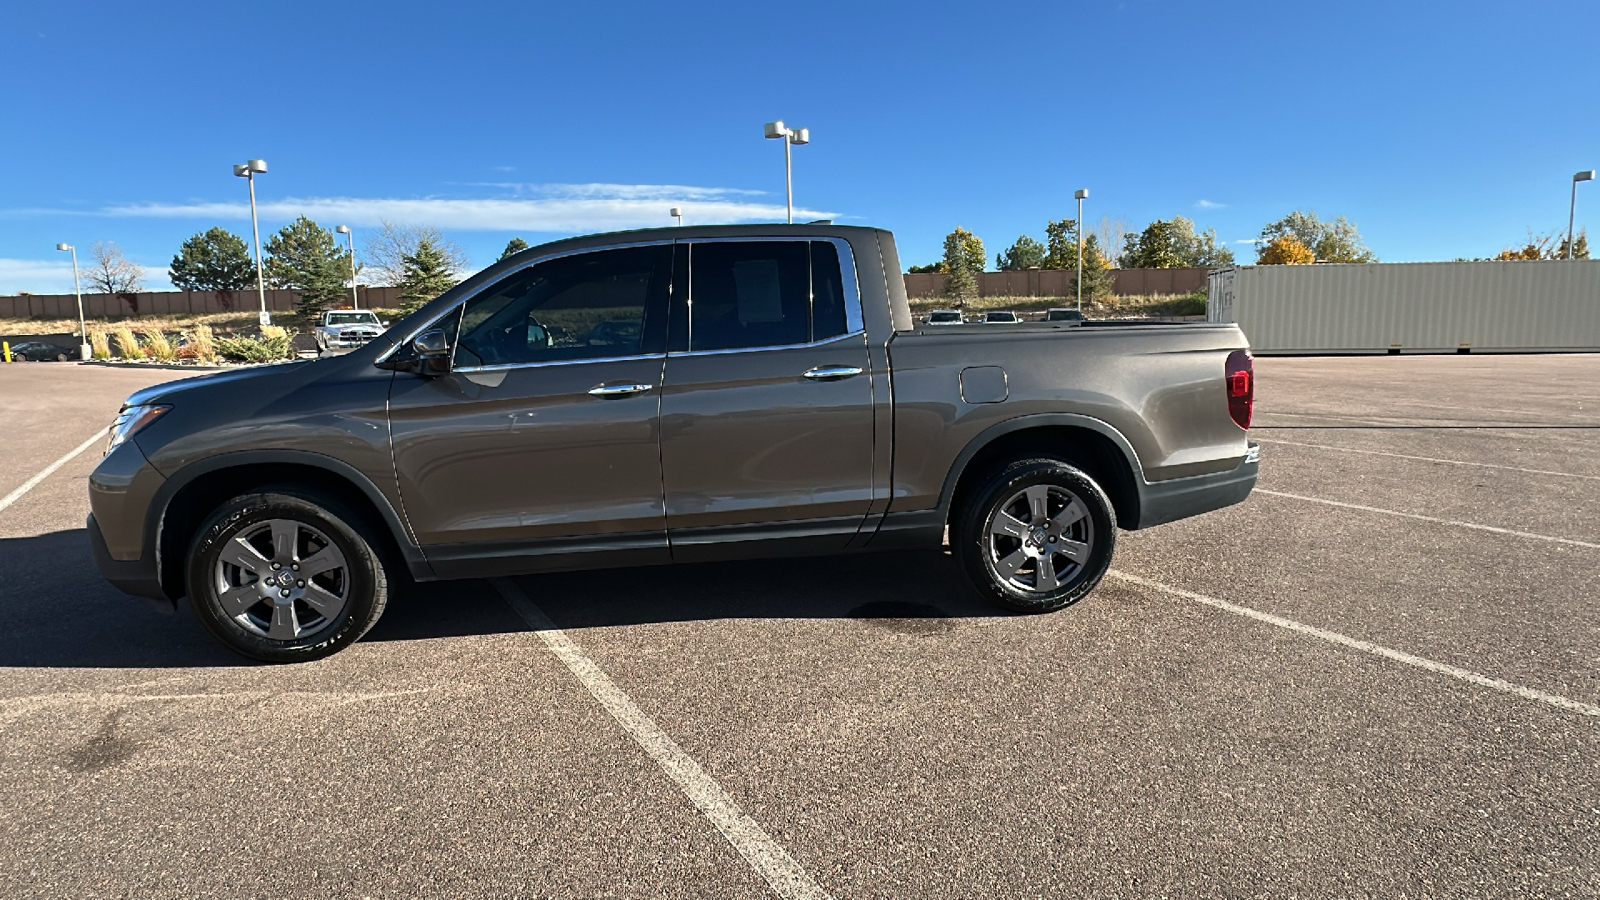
1477, 307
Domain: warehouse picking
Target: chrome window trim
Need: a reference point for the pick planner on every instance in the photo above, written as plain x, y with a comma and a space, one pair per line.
853, 319
460, 304
501, 367
678, 354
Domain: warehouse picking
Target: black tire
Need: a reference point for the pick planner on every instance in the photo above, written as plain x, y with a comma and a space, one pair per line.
19, 357
1073, 579
360, 582
62, 357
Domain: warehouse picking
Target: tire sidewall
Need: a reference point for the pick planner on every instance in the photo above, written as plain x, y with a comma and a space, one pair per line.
367, 590
972, 534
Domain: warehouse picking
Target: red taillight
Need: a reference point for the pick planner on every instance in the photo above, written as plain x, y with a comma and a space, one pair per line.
1241, 383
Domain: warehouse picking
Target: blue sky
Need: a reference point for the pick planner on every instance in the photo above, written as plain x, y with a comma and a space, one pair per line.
1441, 130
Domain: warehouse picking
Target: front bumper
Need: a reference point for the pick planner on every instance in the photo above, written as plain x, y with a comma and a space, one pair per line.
1168, 501
138, 577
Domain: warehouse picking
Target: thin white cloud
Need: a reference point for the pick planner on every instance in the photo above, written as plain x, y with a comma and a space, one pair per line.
560, 209
49, 276
1249, 241
1209, 204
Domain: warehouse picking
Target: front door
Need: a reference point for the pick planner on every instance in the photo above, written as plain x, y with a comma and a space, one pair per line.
767, 405
543, 440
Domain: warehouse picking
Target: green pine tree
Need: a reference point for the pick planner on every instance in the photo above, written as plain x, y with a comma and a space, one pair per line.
427, 274
306, 257
214, 260
514, 246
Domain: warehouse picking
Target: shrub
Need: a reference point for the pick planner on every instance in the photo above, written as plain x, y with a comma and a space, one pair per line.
199, 345
157, 346
127, 345
273, 345
99, 345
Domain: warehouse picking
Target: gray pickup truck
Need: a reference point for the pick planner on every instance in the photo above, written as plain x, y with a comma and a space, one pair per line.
671, 395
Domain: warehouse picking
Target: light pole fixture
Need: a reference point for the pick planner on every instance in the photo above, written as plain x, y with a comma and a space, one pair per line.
83, 329
345, 230
1079, 195
1572, 207
791, 137
248, 171
676, 213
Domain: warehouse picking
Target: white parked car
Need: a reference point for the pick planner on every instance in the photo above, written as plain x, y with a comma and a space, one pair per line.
945, 317
342, 330
1000, 317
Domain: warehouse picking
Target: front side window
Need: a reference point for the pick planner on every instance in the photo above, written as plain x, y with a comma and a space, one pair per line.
590, 305
764, 294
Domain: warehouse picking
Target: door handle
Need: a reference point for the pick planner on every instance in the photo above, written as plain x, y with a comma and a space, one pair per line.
618, 390
831, 373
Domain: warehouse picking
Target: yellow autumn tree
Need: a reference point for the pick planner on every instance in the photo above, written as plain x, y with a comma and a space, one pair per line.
1286, 250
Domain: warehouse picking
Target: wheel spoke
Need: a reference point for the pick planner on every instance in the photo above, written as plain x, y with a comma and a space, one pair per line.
1007, 524
1007, 568
284, 540
321, 561
285, 624
1045, 578
1038, 504
1070, 515
236, 600
1077, 551
323, 600
240, 553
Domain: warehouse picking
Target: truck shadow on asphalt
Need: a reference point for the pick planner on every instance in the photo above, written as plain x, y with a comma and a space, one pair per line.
58, 612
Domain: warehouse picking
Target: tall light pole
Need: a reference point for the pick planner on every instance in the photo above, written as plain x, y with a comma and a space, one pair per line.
345, 230
83, 329
791, 137
676, 213
1080, 194
1572, 208
247, 171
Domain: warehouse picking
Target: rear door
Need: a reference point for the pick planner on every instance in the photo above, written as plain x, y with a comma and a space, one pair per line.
766, 407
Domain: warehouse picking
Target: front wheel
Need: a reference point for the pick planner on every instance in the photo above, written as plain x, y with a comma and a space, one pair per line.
283, 578
1037, 537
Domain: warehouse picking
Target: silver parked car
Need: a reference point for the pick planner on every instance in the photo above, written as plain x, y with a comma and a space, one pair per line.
945, 317
1000, 317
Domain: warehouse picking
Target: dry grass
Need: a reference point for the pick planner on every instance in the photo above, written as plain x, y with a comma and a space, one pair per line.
225, 323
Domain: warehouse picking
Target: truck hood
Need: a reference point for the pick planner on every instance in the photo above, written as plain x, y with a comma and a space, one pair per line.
166, 392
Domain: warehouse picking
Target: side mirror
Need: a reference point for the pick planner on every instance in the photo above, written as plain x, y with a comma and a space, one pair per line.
433, 352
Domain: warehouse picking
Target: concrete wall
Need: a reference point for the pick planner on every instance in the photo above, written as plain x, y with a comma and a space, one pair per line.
166, 303
1059, 282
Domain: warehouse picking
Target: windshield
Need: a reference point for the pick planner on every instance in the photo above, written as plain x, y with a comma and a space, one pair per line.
353, 318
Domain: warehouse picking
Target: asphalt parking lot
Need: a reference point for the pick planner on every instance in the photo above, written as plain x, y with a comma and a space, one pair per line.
1380, 676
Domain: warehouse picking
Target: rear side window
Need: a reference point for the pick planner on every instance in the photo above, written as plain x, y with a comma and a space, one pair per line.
586, 306
764, 294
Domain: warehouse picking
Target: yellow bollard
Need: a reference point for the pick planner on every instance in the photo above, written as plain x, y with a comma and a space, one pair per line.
6, 346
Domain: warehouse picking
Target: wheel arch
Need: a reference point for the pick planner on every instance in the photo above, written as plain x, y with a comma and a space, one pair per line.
187, 497
1092, 445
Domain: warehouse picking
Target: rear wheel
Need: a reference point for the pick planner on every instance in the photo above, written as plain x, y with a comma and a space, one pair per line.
280, 577
1037, 537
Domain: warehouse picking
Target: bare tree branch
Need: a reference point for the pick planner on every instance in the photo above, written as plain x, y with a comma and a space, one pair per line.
387, 248
113, 273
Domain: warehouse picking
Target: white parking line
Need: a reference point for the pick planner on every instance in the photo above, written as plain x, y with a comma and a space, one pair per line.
33, 482
1333, 637
770, 860
1405, 515
1453, 462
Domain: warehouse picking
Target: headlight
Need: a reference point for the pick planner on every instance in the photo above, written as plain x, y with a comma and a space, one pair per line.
130, 421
